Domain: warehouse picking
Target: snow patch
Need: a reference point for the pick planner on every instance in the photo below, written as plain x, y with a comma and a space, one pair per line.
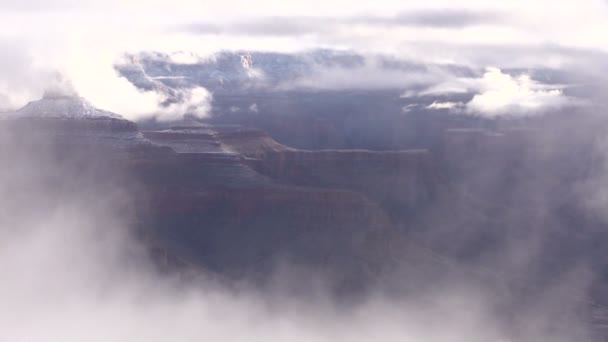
59, 105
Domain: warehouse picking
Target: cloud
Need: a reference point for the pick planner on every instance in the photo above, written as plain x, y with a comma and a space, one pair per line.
503, 94
193, 101
271, 26
295, 26
445, 105
438, 18
30, 69
21, 80
369, 74
95, 79
408, 108
496, 93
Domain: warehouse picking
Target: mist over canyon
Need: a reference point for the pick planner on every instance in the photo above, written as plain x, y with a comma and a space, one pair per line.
416, 172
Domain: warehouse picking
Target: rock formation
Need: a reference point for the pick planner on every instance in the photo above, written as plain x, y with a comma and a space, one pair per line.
399, 181
221, 199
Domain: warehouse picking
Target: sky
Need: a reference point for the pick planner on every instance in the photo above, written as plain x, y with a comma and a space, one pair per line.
83, 39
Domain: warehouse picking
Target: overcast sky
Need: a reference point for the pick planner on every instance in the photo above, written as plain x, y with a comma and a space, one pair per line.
378, 25
82, 38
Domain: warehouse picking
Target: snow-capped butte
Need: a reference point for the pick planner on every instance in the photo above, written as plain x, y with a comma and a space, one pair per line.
72, 121
62, 107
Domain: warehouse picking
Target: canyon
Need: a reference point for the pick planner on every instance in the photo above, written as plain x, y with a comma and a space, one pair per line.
499, 205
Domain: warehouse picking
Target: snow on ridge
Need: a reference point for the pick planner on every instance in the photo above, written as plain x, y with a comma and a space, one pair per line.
64, 107
72, 108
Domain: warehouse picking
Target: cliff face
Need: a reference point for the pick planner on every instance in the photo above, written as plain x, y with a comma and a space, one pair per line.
200, 201
215, 210
399, 181
251, 231
242, 201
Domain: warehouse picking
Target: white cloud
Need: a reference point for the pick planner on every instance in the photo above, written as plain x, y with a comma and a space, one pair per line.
184, 57
95, 79
408, 108
21, 79
88, 62
194, 102
445, 105
452, 86
503, 94
497, 94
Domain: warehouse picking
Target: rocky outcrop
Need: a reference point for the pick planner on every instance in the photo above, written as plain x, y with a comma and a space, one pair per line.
250, 231
399, 181
250, 142
214, 210
245, 141
245, 201
200, 200
72, 122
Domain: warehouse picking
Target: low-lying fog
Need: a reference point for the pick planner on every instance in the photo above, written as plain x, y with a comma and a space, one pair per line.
71, 271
